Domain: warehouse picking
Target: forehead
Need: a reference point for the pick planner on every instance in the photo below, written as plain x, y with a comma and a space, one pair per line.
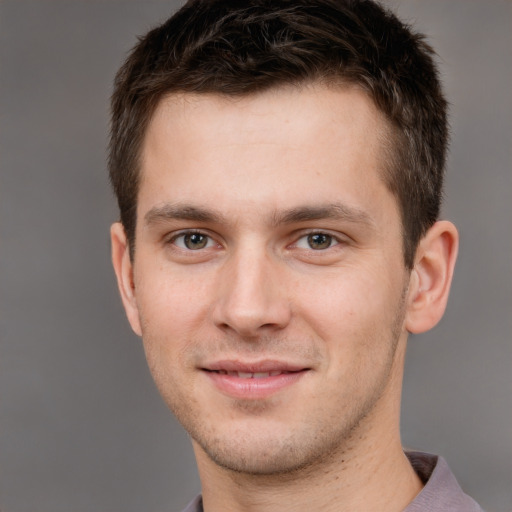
280, 146
308, 107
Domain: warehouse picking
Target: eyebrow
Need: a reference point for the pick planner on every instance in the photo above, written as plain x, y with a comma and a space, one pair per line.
299, 214
331, 211
181, 212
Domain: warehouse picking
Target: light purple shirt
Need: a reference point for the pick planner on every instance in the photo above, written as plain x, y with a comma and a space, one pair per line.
441, 493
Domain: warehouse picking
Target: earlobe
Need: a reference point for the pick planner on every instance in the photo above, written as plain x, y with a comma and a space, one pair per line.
124, 273
431, 277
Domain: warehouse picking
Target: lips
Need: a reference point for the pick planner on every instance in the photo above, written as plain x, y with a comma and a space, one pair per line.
258, 367
253, 380
252, 375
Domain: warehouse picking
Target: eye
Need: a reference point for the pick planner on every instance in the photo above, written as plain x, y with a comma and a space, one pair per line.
316, 241
193, 241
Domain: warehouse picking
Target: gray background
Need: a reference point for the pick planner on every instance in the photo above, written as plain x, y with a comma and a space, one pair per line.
81, 426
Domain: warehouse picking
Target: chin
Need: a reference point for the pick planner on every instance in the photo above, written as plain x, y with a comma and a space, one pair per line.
276, 453
265, 462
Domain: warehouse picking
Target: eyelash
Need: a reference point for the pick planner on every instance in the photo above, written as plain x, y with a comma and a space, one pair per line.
189, 233
333, 240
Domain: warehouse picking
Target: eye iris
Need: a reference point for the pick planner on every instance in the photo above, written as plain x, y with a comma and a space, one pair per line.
319, 241
195, 241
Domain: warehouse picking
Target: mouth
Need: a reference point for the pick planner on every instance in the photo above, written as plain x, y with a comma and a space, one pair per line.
254, 380
252, 375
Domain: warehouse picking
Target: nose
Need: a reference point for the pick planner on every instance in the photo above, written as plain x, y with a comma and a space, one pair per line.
252, 298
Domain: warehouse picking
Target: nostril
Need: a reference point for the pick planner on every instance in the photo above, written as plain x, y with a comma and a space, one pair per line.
249, 301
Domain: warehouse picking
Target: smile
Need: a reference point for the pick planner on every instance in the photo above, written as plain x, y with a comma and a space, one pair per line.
253, 381
249, 375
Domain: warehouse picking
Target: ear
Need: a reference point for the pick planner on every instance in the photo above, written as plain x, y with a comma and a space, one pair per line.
124, 272
431, 277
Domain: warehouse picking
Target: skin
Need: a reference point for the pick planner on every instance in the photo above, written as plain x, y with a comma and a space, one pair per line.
266, 238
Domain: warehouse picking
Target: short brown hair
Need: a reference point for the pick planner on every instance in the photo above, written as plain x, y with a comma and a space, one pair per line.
238, 47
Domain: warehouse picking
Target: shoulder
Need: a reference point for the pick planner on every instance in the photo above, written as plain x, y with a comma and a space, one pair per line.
442, 492
196, 505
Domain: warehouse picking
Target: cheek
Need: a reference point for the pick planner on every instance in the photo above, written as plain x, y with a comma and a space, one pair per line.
171, 317
346, 301
356, 317
173, 302
168, 311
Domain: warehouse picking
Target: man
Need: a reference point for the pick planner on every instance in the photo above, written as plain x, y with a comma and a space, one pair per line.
278, 168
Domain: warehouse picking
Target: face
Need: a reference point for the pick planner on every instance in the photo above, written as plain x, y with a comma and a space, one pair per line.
268, 281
